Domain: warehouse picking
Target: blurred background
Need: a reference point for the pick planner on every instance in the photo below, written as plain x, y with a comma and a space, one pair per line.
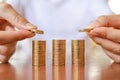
115, 6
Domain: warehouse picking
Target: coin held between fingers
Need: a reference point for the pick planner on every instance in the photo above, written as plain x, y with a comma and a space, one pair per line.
86, 29
37, 31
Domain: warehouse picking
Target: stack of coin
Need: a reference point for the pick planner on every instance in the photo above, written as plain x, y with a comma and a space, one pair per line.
38, 52
59, 50
78, 50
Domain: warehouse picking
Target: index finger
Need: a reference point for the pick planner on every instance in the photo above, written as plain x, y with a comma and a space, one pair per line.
8, 13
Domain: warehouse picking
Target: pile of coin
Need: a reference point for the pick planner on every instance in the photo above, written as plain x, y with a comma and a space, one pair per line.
78, 50
59, 51
38, 52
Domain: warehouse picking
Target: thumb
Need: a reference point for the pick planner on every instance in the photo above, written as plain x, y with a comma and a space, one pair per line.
107, 21
8, 13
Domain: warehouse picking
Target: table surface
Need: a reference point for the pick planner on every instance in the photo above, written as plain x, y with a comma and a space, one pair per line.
97, 67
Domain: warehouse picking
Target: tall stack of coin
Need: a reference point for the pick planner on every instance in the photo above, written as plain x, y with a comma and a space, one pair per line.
59, 50
78, 50
38, 52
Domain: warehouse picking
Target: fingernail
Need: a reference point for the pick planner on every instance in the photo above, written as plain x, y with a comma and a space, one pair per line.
30, 26
31, 35
93, 34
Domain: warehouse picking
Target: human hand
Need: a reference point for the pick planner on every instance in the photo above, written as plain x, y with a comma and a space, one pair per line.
9, 19
111, 72
106, 33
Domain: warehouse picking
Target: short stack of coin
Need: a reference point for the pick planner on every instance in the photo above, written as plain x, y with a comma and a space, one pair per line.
59, 51
78, 50
38, 52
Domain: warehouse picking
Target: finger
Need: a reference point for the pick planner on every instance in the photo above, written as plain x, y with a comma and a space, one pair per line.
9, 28
107, 21
108, 45
11, 36
8, 13
6, 51
6, 26
3, 59
114, 57
107, 33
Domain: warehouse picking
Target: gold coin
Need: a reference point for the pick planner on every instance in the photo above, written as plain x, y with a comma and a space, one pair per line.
37, 31
38, 52
78, 52
59, 51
